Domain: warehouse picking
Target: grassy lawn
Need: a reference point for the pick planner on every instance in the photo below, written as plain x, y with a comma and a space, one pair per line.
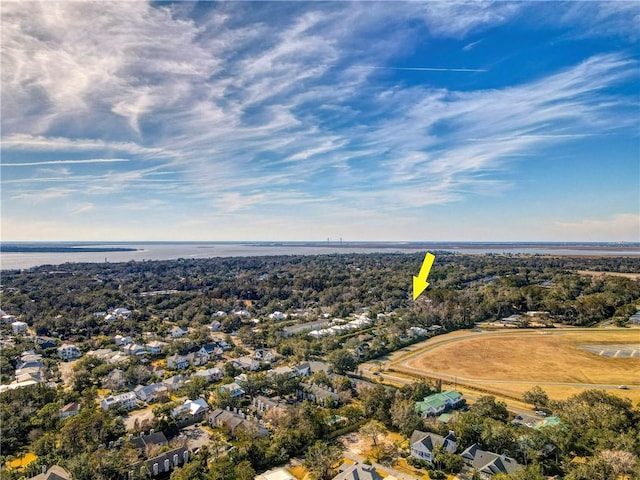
23, 461
298, 471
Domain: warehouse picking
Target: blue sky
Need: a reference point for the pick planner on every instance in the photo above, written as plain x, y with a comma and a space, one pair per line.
389, 121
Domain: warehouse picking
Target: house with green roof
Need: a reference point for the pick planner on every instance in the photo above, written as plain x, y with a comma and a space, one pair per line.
439, 402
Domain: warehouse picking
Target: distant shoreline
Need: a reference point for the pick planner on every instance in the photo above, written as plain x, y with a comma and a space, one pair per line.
8, 248
453, 246
21, 255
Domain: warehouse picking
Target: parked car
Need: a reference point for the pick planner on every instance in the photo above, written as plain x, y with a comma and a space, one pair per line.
541, 413
623, 387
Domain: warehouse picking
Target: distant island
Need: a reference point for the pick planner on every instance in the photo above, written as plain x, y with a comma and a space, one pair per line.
57, 248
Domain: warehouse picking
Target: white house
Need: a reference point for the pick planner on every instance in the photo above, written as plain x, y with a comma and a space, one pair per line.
210, 374
177, 332
177, 362
121, 312
155, 347
126, 400
423, 443
121, 341
191, 407
68, 351
134, 349
19, 327
277, 316
233, 389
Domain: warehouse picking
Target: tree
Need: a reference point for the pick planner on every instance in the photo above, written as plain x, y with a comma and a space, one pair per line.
486, 406
373, 429
530, 472
194, 387
321, 459
404, 416
342, 361
447, 461
536, 397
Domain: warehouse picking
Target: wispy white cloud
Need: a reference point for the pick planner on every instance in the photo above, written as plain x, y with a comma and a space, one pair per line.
45, 195
425, 69
64, 162
242, 110
85, 207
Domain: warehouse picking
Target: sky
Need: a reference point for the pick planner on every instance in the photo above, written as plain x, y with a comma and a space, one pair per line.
389, 121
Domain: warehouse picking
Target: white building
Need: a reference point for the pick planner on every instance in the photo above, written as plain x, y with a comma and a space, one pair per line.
68, 351
19, 327
126, 400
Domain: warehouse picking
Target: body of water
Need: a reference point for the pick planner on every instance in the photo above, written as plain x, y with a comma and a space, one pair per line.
170, 251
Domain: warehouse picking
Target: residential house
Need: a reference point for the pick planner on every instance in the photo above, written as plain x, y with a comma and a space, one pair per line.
357, 471
19, 327
151, 393
197, 359
108, 356
265, 355
264, 404
177, 362
70, 410
28, 374
422, 444
177, 332
46, 342
309, 368
233, 389
232, 421
121, 341
277, 316
68, 351
215, 326
155, 347
126, 400
121, 312
161, 465
210, 374
134, 349
246, 363
288, 371
53, 473
304, 327
318, 393
149, 443
488, 464
211, 350
275, 474
438, 403
174, 383
190, 412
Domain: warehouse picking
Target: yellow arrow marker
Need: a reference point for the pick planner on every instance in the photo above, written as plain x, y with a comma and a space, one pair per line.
420, 282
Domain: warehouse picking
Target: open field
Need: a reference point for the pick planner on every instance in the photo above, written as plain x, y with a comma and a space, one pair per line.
594, 273
511, 362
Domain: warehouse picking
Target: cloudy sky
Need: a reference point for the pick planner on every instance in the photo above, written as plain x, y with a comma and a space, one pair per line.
306, 120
